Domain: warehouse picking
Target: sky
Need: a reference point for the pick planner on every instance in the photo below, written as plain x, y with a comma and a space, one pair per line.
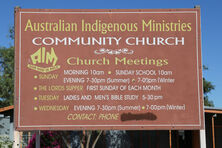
211, 26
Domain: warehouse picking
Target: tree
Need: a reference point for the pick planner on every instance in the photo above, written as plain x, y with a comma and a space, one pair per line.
6, 76
207, 87
7, 73
64, 139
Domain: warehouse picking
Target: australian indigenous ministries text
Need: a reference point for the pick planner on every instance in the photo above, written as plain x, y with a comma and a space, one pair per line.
151, 25
105, 28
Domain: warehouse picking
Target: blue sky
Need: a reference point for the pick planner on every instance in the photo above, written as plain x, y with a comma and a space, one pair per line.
211, 24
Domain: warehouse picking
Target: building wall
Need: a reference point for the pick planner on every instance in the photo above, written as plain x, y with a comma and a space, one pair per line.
217, 130
6, 124
6, 128
208, 127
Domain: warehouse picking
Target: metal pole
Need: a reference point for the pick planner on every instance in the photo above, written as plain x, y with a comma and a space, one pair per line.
170, 140
37, 140
213, 136
202, 138
16, 139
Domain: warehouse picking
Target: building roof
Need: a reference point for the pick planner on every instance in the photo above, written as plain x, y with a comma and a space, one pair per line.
212, 110
6, 108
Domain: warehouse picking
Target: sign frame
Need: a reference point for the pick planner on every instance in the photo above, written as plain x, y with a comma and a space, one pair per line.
18, 49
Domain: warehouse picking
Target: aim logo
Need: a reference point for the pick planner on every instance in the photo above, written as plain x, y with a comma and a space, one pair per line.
46, 61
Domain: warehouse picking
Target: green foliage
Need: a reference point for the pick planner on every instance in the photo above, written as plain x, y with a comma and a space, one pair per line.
208, 102
5, 142
207, 88
6, 76
7, 73
11, 33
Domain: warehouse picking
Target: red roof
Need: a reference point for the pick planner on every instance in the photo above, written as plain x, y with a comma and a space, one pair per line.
6, 108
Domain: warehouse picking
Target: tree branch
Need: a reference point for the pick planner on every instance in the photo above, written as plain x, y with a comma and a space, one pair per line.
97, 138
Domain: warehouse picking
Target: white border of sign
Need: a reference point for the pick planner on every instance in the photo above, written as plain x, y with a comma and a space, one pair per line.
122, 125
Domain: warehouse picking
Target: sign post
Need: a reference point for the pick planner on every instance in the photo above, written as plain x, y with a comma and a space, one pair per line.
108, 69
37, 140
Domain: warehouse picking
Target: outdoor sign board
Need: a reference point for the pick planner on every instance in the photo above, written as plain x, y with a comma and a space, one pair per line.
108, 69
